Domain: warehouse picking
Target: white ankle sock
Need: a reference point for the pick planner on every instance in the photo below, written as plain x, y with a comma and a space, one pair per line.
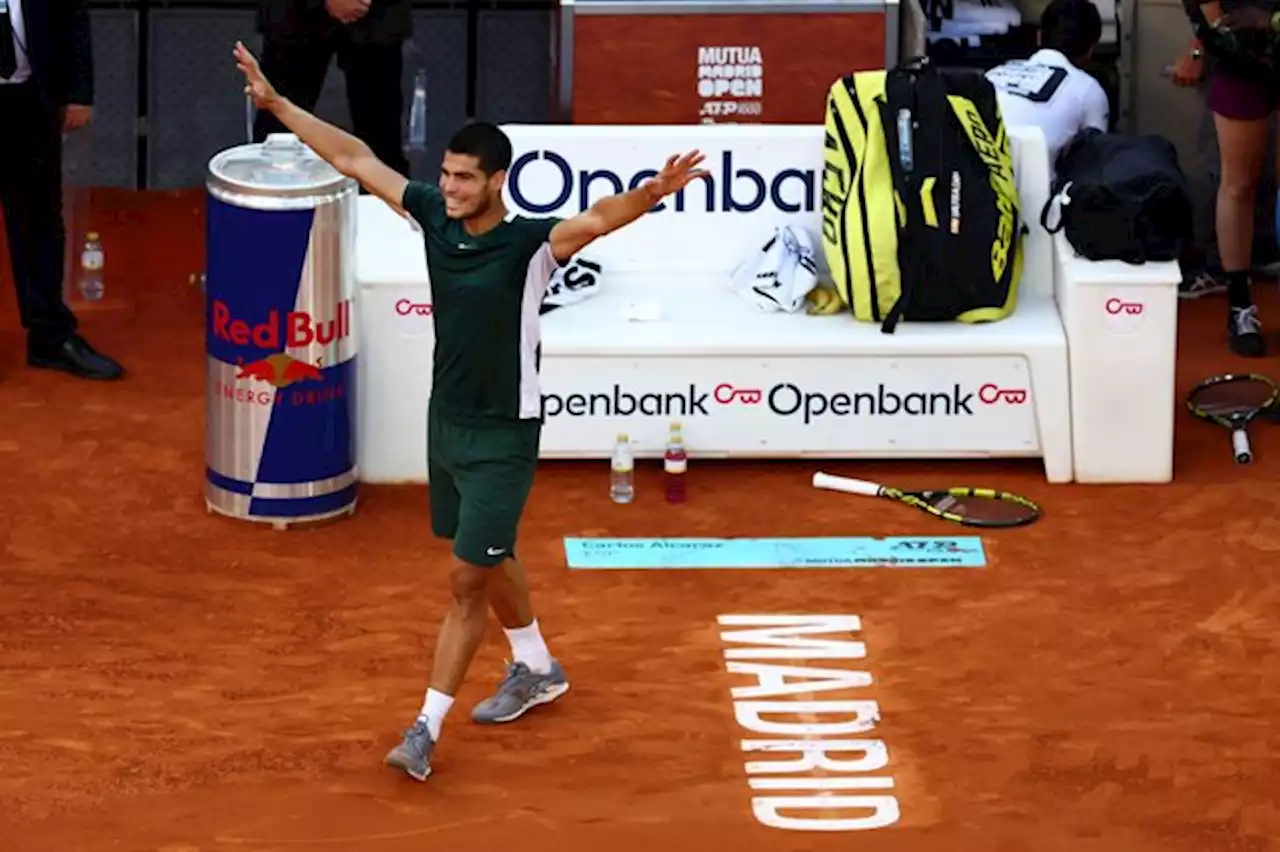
434, 708
528, 647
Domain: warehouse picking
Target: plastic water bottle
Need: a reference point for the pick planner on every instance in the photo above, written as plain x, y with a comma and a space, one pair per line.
77, 163
906, 156
622, 487
418, 113
675, 461
92, 261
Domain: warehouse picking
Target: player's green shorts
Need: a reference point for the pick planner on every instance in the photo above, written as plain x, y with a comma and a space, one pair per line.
480, 477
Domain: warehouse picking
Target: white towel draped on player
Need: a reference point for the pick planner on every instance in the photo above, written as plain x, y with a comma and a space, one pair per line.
577, 280
778, 275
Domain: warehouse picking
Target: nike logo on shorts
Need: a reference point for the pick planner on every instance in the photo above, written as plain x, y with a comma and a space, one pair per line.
496, 551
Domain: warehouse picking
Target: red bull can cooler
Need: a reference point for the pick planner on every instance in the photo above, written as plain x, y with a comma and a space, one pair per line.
279, 335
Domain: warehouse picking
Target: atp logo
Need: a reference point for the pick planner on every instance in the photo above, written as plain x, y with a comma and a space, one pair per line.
929, 545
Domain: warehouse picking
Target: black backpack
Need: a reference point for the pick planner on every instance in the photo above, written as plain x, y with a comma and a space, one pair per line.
1121, 198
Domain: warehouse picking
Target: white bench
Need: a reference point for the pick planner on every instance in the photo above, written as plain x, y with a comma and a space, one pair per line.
747, 383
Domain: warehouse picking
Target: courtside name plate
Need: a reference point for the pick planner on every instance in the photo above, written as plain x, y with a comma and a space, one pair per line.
860, 552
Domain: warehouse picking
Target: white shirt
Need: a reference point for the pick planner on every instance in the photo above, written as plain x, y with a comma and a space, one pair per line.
19, 39
1048, 92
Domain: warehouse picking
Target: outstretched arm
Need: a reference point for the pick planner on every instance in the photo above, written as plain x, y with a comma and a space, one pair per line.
609, 214
344, 152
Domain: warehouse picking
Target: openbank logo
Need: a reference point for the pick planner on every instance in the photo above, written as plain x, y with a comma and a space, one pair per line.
406, 307
1124, 315
544, 181
413, 316
786, 399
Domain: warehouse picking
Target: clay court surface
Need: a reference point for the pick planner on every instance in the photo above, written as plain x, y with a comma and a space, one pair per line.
176, 682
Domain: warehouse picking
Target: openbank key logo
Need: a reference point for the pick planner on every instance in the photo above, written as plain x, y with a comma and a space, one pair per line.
787, 400
545, 181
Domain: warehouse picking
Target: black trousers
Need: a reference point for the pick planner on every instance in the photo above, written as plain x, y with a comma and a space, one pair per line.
31, 193
375, 91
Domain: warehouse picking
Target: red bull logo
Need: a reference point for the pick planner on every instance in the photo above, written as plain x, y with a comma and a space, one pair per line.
279, 370
297, 328
278, 333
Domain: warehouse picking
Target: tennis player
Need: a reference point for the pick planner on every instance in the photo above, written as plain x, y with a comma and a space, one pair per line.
1050, 90
489, 270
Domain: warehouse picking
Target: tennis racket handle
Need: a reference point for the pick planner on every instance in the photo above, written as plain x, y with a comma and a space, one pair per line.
842, 483
1240, 443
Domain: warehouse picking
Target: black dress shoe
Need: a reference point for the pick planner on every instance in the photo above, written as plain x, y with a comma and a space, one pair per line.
75, 356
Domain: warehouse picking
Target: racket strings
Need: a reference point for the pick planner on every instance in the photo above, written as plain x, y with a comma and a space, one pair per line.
1231, 406
996, 508
1234, 396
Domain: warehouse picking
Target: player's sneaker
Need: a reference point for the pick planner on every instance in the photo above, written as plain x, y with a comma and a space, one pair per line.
413, 755
522, 690
1244, 331
1201, 283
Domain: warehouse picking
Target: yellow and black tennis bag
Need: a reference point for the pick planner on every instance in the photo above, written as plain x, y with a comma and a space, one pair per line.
920, 217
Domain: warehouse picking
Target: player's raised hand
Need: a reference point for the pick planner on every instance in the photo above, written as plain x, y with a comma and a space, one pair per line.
676, 174
256, 85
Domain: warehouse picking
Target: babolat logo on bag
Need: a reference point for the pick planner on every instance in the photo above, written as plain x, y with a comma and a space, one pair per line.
920, 217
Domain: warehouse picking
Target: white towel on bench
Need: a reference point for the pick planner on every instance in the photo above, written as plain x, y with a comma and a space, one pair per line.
778, 275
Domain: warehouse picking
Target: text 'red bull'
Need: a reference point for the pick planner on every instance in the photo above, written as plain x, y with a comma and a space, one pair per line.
298, 328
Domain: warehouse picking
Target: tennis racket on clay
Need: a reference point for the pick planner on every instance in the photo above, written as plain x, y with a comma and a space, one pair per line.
1232, 400
972, 507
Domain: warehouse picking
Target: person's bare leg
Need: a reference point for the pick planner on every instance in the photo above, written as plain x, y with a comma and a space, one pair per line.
463, 627
1243, 149
509, 595
534, 677
510, 601
460, 637
1242, 146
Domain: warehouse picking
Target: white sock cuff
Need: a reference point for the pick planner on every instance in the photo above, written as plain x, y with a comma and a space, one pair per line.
528, 647
529, 631
434, 708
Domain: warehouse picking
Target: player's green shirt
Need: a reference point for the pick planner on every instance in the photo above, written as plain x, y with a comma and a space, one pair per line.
486, 292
